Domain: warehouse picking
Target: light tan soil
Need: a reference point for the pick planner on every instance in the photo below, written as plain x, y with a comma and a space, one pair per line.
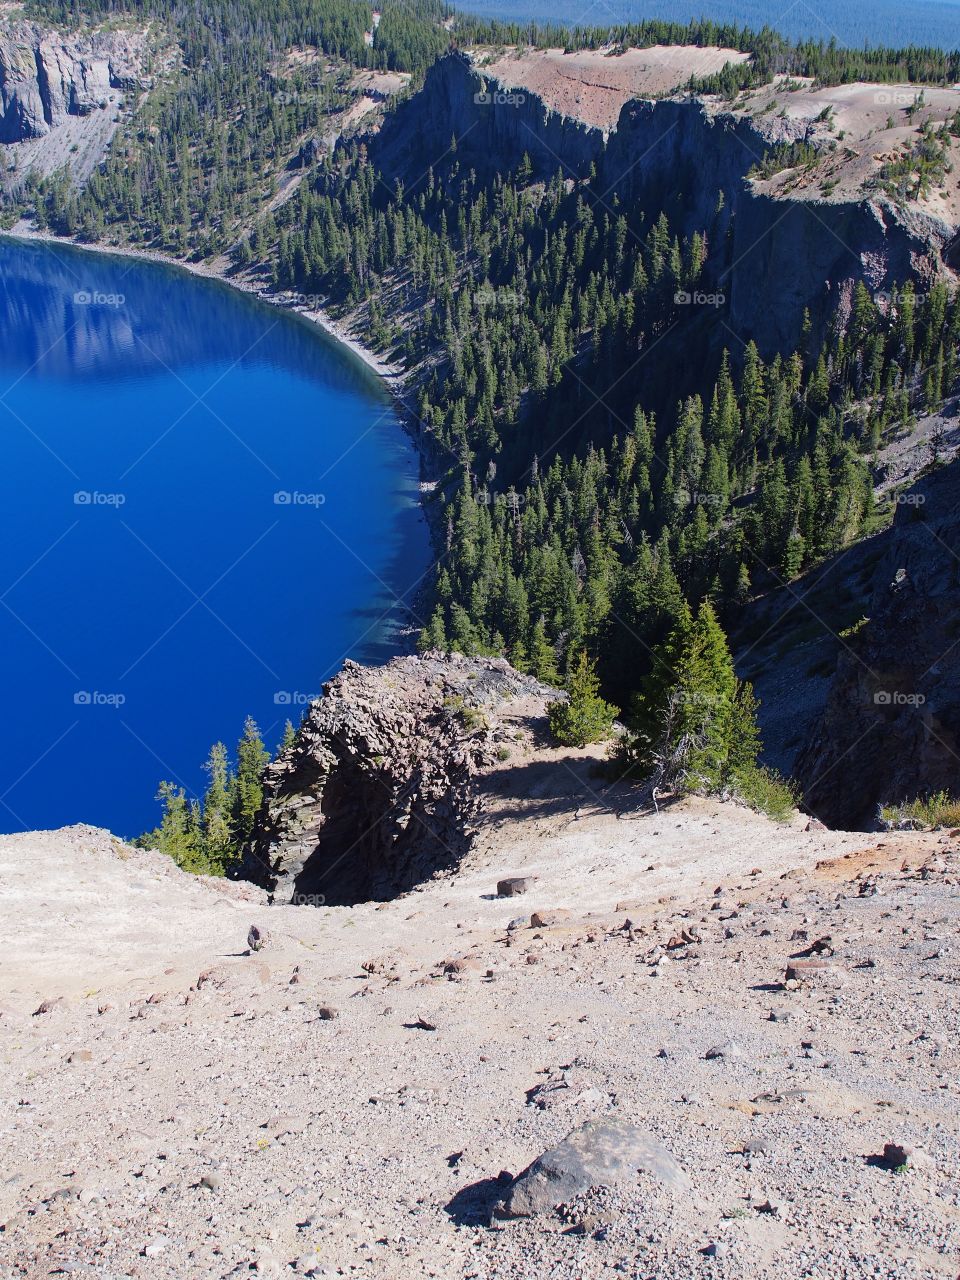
369, 1145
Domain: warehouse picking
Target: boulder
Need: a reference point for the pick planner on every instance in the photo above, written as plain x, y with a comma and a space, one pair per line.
606, 1152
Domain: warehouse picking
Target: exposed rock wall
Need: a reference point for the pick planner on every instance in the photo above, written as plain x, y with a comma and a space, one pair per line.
891, 727
377, 793
771, 257
45, 77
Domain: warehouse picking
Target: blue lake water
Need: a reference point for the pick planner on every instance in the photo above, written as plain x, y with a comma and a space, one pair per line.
205, 506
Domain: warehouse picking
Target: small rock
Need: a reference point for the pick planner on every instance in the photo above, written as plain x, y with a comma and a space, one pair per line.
211, 1181
326, 1013
156, 1246
717, 1249
48, 1006
256, 938
897, 1155
729, 1049
545, 919
513, 886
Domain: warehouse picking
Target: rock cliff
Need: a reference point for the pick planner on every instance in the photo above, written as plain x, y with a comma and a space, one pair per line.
46, 76
772, 254
890, 730
378, 791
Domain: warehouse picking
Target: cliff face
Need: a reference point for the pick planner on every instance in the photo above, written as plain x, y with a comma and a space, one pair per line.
45, 77
771, 256
494, 128
378, 791
890, 730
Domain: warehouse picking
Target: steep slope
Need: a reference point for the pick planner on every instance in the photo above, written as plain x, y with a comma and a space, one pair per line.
61, 95
357, 1094
890, 729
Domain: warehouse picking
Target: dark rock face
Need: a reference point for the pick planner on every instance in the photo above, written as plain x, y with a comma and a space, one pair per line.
599, 1153
771, 258
891, 727
378, 791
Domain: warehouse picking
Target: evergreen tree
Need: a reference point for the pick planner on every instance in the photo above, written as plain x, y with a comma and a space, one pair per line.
252, 759
583, 717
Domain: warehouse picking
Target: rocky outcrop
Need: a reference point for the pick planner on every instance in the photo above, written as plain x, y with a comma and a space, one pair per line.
46, 76
771, 256
378, 791
890, 730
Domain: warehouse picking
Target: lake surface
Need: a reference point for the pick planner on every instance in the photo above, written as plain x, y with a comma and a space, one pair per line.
205, 506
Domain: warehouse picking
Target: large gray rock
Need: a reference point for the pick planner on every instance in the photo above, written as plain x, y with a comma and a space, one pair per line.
599, 1153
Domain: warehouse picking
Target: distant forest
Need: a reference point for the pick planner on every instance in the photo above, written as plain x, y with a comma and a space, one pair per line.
852, 23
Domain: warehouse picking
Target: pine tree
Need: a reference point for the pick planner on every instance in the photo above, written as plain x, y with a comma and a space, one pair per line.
217, 807
584, 716
252, 759
178, 835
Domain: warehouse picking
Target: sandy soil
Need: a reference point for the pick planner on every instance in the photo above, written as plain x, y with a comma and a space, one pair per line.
592, 85
186, 1108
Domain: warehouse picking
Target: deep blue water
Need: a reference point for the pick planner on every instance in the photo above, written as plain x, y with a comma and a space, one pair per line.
205, 505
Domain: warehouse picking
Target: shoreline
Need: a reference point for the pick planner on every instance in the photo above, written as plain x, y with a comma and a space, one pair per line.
393, 379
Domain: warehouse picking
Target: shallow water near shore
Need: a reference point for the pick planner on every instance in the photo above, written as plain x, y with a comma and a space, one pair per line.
205, 506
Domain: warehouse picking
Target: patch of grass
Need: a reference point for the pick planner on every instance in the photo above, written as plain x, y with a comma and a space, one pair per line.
765, 791
470, 717
854, 627
937, 810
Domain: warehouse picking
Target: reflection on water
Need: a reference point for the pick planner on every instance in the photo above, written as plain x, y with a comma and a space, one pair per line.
67, 312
